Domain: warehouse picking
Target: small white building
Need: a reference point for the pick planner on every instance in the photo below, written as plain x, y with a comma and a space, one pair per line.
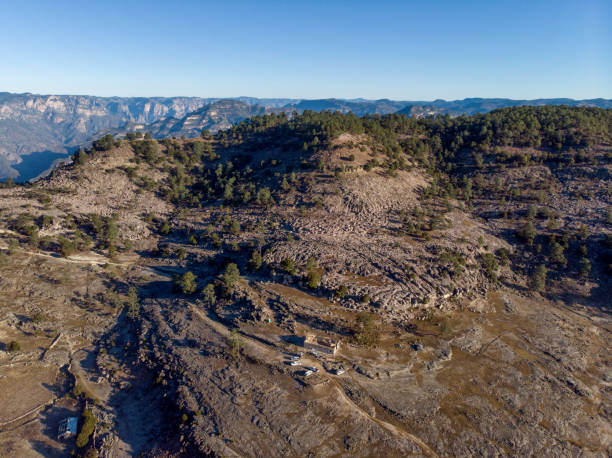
67, 428
322, 344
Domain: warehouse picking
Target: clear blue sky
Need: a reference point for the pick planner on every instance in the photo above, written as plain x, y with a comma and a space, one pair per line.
409, 50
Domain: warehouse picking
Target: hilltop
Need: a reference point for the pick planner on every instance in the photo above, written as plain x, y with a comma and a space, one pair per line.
463, 265
35, 129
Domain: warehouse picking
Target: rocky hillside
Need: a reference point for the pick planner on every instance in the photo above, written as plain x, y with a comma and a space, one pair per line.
461, 269
58, 123
212, 117
48, 124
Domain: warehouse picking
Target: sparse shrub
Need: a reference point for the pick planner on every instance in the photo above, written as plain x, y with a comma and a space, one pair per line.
165, 228
538, 278
556, 254
313, 278
264, 197
216, 240
490, 264
146, 149
285, 186
230, 277
114, 298
504, 256
234, 227
13, 346
584, 267
365, 299
341, 292
88, 423
38, 317
13, 246
132, 303
104, 144
531, 212
544, 212
193, 240
187, 283
235, 343
288, 266
527, 233
45, 221
457, 261
208, 294
583, 232
256, 260
66, 246
365, 331
80, 157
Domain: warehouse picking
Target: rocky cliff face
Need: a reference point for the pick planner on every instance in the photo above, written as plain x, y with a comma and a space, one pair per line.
31, 123
219, 115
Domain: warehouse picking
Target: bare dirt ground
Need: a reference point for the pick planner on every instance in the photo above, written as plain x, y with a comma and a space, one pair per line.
463, 366
491, 377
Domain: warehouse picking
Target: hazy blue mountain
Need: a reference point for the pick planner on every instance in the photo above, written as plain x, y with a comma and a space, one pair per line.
359, 107
219, 115
478, 105
32, 123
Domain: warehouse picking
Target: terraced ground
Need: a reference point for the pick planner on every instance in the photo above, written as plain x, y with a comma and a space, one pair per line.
467, 358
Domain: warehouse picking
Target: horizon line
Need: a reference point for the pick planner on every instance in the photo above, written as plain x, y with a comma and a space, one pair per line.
351, 99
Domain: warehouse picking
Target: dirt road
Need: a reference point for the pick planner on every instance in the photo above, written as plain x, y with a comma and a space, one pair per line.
278, 355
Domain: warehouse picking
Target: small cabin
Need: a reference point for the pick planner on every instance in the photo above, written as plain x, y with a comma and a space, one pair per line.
320, 344
67, 428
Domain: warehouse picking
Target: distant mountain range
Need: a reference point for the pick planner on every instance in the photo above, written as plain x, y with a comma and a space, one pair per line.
215, 116
478, 105
52, 124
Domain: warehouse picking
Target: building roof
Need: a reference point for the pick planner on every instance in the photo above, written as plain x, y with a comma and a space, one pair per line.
69, 425
323, 341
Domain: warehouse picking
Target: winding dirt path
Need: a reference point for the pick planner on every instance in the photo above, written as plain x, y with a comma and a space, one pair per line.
76, 259
277, 356
388, 426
